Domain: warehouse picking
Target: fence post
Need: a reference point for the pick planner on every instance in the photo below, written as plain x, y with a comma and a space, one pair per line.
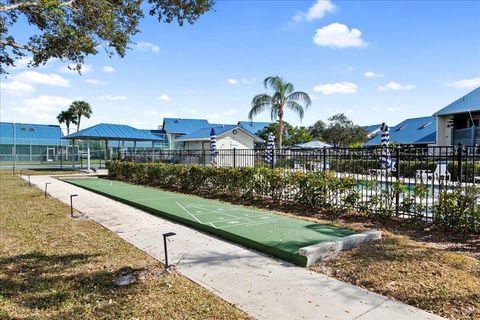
234, 157
324, 158
397, 176
459, 163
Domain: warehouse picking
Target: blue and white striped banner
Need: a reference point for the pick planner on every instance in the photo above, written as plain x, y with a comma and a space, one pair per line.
270, 150
213, 145
385, 157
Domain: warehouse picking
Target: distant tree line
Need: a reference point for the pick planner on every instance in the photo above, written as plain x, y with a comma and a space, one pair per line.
339, 131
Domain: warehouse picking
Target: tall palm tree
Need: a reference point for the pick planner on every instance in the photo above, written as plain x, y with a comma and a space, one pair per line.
68, 117
81, 109
283, 97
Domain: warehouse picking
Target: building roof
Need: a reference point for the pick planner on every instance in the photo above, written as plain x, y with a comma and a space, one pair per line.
315, 144
204, 133
470, 101
117, 132
28, 133
252, 126
411, 131
183, 126
372, 128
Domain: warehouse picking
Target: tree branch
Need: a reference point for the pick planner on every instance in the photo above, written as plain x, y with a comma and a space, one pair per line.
15, 45
67, 4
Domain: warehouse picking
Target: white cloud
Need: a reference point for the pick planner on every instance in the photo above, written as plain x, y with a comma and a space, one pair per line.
395, 86
317, 11
166, 98
371, 74
192, 111
16, 87
108, 69
337, 35
43, 107
465, 83
147, 46
232, 81
95, 81
110, 97
34, 77
336, 88
85, 68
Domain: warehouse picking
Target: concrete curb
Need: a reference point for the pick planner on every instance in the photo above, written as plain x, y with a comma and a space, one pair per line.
321, 251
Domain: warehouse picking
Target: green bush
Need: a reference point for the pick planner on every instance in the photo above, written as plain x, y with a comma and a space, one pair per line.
458, 210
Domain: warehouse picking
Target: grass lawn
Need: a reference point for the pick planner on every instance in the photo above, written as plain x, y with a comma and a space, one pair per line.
54, 267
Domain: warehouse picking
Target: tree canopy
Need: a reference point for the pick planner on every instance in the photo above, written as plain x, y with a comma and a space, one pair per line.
340, 131
70, 30
291, 135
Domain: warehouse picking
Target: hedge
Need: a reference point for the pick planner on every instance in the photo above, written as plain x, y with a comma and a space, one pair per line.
313, 189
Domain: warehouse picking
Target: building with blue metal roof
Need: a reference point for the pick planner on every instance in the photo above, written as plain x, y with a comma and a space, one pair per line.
253, 126
30, 142
459, 122
110, 132
176, 127
228, 137
413, 131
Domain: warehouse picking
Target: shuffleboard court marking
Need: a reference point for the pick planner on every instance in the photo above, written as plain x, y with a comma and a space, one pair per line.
251, 223
189, 213
223, 213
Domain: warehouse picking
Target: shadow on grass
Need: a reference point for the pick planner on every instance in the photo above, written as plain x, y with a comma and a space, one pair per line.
39, 282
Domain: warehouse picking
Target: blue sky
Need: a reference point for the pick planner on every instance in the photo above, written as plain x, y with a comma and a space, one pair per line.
372, 60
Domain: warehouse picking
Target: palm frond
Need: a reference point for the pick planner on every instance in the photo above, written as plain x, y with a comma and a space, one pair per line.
274, 113
295, 107
276, 83
300, 96
260, 103
289, 88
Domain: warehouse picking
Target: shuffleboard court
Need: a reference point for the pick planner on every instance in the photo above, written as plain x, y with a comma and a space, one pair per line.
274, 234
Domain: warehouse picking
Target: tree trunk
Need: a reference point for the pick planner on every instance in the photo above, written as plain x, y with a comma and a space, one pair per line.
68, 127
78, 123
280, 128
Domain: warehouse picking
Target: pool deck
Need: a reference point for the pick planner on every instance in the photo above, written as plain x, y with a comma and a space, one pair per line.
263, 287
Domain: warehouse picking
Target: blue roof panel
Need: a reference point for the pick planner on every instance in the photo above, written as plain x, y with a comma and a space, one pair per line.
28, 133
183, 126
106, 131
372, 128
252, 126
204, 133
411, 131
470, 101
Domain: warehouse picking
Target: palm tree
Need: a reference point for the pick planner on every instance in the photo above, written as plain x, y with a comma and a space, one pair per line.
81, 109
68, 117
283, 97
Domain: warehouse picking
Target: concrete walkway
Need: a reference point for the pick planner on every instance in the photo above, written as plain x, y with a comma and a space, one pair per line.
264, 288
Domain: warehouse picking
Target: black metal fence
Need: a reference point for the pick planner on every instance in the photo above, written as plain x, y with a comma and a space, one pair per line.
411, 187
